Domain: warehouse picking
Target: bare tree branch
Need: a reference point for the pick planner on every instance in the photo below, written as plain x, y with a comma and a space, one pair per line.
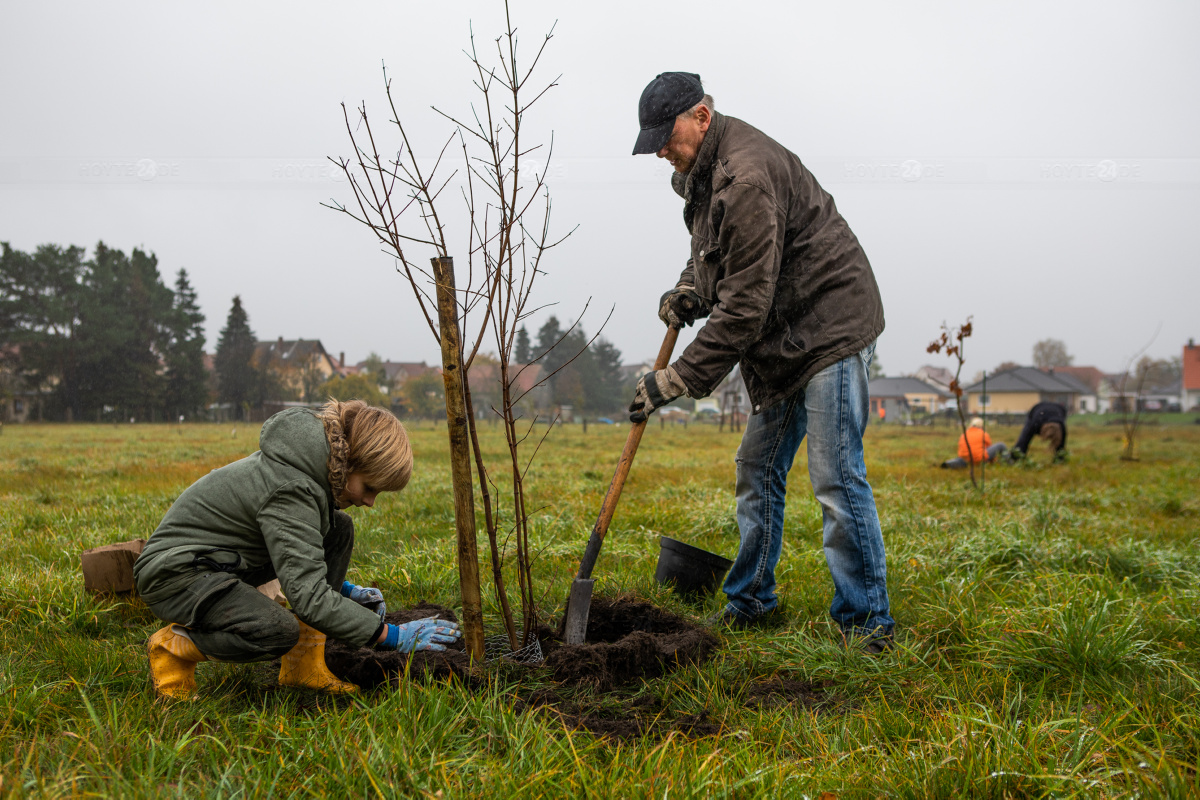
505, 246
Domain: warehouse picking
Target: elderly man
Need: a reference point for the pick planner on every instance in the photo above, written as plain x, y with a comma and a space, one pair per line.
789, 294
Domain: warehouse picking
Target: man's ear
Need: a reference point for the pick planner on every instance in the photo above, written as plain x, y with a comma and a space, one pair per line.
703, 117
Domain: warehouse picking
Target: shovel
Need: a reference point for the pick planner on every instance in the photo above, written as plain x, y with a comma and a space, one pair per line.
580, 601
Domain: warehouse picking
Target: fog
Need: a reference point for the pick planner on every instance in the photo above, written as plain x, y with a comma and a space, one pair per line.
1032, 165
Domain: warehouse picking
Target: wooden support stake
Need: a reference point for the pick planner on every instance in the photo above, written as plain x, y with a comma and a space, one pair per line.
460, 455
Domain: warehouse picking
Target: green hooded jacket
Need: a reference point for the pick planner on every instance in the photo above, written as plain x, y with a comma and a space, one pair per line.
273, 506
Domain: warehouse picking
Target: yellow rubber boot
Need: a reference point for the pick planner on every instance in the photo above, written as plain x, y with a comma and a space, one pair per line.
173, 659
304, 665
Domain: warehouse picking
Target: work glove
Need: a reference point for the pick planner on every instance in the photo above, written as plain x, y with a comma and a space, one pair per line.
682, 306
367, 596
654, 390
429, 633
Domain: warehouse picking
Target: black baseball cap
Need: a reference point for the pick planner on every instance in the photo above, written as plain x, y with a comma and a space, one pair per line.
665, 98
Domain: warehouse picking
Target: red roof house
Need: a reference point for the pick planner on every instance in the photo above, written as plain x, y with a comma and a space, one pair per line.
1190, 395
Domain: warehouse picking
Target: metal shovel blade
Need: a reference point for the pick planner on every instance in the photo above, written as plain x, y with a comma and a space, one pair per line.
578, 606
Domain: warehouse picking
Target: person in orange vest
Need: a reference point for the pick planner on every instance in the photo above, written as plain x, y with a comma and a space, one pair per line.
980, 447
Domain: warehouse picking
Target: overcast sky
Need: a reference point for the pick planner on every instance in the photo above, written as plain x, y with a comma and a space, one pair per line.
1035, 165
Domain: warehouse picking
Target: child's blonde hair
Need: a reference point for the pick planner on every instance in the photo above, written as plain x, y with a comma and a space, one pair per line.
368, 440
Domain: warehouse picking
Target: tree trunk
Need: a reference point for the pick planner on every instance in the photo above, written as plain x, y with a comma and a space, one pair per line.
490, 525
460, 455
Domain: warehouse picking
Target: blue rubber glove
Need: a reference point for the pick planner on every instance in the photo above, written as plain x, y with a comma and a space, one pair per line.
367, 596
430, 633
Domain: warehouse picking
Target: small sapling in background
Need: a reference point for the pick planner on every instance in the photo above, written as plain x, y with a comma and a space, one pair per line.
951, 343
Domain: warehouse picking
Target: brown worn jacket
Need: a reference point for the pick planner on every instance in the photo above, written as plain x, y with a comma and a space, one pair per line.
790, 286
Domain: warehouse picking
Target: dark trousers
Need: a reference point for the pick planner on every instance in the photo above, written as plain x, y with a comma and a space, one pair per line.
241, 624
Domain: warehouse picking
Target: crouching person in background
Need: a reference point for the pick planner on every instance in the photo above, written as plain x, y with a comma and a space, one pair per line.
276, 514
1049, 422
975, 445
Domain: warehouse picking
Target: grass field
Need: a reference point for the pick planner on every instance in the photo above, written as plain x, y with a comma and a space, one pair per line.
1048, 632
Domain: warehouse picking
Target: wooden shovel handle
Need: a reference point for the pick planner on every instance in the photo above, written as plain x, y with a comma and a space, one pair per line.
609, 506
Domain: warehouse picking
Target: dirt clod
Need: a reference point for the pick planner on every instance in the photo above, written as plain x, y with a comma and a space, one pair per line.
629, 640
780, 692
620, 718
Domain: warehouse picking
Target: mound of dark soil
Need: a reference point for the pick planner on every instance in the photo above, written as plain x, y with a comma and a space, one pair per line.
370, 668
629, 640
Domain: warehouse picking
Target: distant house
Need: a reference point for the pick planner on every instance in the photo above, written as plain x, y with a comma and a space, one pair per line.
14, 407
1112, 396
1093, 379
631, 372
484, 378
1162, 398
1121, 392
1015, 391
938, 377
22, 397
526, 377
1189, 394
300, 364
343, 369
729, 396
900, 398
397, 372
210, 372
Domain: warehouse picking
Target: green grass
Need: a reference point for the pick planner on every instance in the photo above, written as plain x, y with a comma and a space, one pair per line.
1048, 631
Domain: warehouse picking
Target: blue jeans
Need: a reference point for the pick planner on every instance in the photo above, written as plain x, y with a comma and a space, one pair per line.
832, 411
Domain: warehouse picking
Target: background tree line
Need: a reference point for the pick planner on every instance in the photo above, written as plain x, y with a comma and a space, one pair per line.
100, 335
576, 370
584, 374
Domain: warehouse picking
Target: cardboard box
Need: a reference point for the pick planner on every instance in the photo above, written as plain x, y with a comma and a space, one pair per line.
110, 568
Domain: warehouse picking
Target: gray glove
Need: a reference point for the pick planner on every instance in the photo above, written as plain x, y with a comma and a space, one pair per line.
682, 306
654, 390
366, 596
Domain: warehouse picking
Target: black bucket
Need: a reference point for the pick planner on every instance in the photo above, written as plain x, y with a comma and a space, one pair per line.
689, 569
